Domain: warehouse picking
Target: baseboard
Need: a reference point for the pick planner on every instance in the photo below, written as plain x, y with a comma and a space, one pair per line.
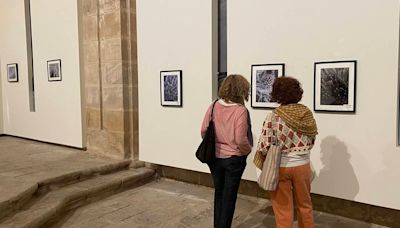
50, 143
346, 208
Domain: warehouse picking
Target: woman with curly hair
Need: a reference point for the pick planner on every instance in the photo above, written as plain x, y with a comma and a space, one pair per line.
233, 144
293, 126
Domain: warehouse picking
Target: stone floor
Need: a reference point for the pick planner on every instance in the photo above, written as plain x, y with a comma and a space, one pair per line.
25, 162
168, 203
164, 203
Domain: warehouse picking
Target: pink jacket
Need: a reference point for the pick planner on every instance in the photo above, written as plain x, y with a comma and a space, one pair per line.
230, 121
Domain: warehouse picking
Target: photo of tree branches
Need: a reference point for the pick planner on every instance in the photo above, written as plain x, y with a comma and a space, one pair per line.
264, 81
334, 86
54, 69
171, 88
12, 72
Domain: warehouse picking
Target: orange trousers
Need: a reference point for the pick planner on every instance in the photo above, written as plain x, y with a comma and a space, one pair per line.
293, 181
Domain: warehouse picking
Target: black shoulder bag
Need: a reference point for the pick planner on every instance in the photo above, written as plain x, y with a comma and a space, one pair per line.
206, 151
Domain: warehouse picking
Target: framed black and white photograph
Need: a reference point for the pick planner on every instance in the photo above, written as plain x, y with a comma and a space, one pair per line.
171, 88
54, 70
262, 79
12, 72
335, 86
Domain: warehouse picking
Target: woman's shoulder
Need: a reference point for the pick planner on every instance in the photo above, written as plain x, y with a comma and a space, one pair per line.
236, 107
271, 115
240, 110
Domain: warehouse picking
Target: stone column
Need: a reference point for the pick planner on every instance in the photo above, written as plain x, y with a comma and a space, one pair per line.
108, 47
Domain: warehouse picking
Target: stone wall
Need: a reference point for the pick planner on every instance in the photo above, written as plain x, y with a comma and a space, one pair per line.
108, 47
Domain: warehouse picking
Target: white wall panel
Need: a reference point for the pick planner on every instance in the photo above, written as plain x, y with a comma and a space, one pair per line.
174, 35
356, 155
58, 115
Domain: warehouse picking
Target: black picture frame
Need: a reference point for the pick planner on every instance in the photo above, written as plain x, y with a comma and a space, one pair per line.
12, 72
335, 86
171, 88
278, 69
54, 70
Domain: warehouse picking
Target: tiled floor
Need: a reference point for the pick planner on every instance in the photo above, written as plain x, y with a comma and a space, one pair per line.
25, 162
164, 203
168, 203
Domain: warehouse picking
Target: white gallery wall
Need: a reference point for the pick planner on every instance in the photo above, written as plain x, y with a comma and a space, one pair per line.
1, 103
1, 96
13, 50
356, 156
58, 115
174, 35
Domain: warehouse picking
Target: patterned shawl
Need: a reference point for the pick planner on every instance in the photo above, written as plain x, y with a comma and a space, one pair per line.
299, 118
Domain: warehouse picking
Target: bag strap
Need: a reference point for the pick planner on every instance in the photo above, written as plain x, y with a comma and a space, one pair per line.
274, 123
212, 110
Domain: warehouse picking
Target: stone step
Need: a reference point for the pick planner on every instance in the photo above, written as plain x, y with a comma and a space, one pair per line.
24, 195
52, 206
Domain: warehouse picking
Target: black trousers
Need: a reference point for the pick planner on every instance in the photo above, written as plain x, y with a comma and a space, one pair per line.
226, 173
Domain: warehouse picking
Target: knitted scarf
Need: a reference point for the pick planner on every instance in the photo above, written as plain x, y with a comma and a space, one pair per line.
298, 117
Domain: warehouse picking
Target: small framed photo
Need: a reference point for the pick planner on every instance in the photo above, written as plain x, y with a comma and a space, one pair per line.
12, 72
54, 70
335, 86
171, 88
262, 79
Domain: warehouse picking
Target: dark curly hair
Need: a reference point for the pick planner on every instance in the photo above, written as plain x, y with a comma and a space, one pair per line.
286, 90
235, 88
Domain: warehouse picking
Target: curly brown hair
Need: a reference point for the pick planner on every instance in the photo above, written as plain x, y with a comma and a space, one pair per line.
286, 90
235, 88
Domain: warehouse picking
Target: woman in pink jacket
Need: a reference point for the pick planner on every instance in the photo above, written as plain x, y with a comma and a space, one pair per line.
233, 144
